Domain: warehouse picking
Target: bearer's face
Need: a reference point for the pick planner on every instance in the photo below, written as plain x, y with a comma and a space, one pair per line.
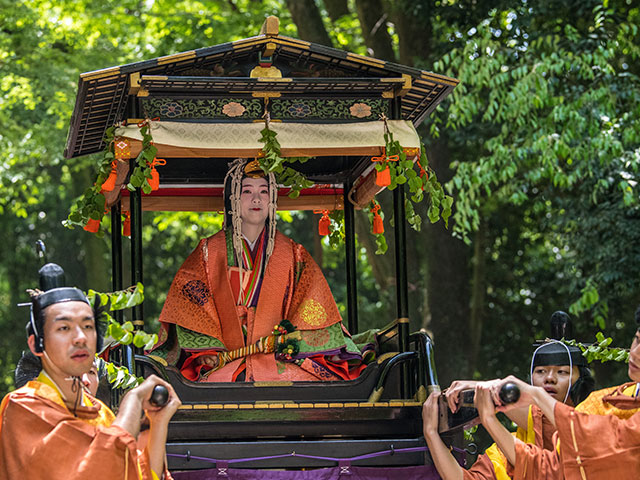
555, 379
69, 337
90, 379
254, 201
634, 358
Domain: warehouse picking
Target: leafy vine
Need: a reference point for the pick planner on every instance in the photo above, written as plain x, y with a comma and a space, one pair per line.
91, 204
600, 350
122, 334
424, 181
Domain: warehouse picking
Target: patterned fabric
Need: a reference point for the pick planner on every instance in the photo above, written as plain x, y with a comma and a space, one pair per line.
292, 288
196, 291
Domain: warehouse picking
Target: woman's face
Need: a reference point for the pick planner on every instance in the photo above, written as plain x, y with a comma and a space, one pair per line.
555, 380
254, 201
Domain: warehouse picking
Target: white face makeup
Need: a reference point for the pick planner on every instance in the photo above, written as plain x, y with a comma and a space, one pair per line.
254, 202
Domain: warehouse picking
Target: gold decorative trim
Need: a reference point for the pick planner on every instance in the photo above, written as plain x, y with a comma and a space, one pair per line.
158, 359
269, 48
96, 74
271, 26
384, 356
265, 95
402, 320
293, 42
440, 78
374, 62
134, 83
273, 384
176, 57
287, 404
275, 79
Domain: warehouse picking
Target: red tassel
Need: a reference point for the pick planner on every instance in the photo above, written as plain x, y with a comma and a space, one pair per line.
92, 226
383, 178
110, 183
323, 224
378, 226
126, 226
154, 182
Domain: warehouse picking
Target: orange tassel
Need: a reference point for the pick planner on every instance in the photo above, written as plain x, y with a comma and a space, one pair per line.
92, 226
378, 226
324, 223
126, 226
154, 182
110, 183
383, 178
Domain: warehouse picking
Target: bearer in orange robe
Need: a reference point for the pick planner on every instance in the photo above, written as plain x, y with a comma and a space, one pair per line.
249, 304
52, 428
561, 370
599, 439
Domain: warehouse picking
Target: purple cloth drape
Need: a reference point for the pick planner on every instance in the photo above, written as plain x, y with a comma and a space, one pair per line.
343, 472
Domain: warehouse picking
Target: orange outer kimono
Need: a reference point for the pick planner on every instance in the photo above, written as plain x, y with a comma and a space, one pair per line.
41, 439
201, 312
493, 464
599, 439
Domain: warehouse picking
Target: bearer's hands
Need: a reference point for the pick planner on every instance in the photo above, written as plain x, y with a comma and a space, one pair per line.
430, 415
453, 392
527, 394
155, 413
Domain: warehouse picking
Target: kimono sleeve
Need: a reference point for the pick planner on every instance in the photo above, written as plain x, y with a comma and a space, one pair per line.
38, 441
601, 446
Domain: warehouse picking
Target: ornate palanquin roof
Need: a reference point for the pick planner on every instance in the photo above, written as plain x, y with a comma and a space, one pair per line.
225, 83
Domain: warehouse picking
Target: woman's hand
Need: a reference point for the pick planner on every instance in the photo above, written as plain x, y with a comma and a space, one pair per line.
209, 360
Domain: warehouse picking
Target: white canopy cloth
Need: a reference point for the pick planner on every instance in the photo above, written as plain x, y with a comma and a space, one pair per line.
189, 139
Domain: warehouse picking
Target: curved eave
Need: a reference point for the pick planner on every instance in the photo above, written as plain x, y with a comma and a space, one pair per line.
103, 94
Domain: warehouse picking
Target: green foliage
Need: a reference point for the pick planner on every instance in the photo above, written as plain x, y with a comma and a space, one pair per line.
120, 377
273, 162
91, 205
600, 350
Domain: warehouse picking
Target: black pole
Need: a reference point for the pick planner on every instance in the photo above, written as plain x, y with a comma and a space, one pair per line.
116, 355
135, 204
402, 296
350, 246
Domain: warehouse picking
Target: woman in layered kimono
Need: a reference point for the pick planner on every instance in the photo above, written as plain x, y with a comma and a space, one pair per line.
250, 304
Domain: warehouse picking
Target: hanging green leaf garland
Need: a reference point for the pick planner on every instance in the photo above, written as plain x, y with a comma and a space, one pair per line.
91, 204
420, 183
122, 334
273, 162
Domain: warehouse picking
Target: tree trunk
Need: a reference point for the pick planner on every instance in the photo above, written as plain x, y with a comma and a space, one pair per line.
413, 24
477, 294
336, 8
447, 286
306, 16
373, 20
